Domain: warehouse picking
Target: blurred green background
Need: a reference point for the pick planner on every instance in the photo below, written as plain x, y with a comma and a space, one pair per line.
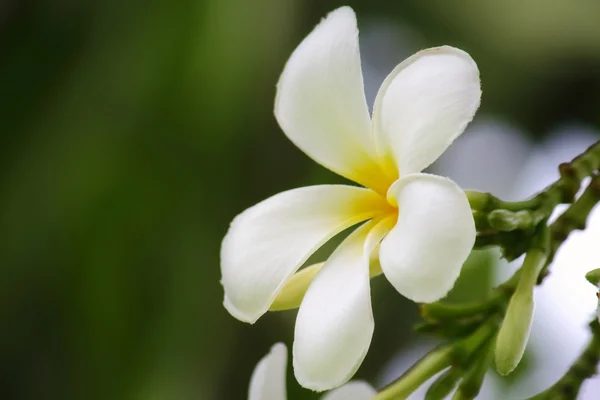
132, 132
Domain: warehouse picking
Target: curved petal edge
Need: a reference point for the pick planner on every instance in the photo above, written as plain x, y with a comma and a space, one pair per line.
423, 254
266, 244
335, 324
320, 103
268, 379
423, 105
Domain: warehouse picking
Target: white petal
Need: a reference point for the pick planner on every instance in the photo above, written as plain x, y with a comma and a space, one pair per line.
321, 104
335, 322
423, 254
268, 378
355, 390
423, 105
268, 242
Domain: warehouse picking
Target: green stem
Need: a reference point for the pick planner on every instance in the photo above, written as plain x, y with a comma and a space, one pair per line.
486, 201
442, 311
515, 227
571, 175
425, 368
561, 191
463, 349
437, 360
534, 261
574, 218
473, 378
539, 207
444, 384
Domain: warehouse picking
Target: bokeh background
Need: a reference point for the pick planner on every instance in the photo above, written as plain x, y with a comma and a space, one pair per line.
132, 132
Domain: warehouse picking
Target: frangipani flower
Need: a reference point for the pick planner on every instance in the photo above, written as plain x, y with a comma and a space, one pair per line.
419, 226
268, 381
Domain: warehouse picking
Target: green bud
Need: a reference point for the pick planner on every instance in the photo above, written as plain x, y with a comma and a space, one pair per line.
505, 220
593, 277
514, 333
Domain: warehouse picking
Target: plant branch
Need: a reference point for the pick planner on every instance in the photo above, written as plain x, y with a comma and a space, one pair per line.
510, 225
574, 218
472, 329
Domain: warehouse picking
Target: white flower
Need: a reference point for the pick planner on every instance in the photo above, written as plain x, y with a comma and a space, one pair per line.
422, 106
268, 380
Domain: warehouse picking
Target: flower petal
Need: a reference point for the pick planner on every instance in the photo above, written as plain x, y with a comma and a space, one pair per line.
335, 322
356, 390
268, 378
423, 254
268, 242
423, 105
320, 103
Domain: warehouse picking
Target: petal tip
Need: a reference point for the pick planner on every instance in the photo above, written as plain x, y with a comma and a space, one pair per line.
341, 12
310, 383
429, 297
355, 390
424, 104
323, 383
279, 348
238, 314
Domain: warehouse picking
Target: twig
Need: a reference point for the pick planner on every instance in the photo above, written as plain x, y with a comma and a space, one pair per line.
471, 329
574, 218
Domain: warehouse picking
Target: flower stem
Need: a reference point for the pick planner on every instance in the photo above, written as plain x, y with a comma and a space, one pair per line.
517, 228
571, 175
456, 354
574, 218
486, 201
444, 384
508, 224
473, 379
425, 368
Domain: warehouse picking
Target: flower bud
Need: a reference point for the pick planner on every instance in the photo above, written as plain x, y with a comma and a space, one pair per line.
505, 220
514, 333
